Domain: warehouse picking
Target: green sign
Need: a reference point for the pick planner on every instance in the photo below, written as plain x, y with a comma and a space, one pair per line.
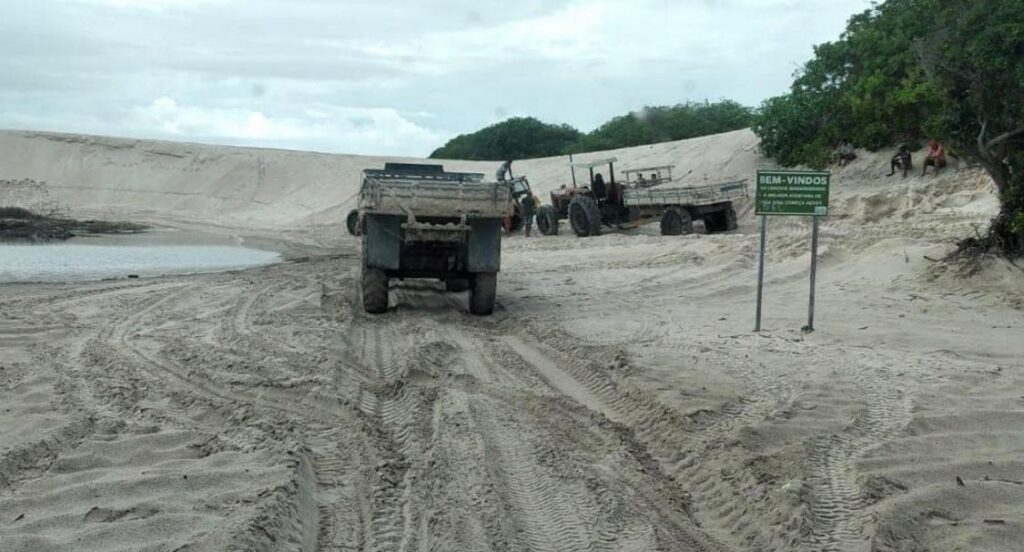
792, 193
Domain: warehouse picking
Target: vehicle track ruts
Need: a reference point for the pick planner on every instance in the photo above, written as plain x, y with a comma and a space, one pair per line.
836, 498
538, 502
592, 520
680, 445
320, 485
392, 413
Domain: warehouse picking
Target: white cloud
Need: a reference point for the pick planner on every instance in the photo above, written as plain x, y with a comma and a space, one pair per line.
400, 76
319, 127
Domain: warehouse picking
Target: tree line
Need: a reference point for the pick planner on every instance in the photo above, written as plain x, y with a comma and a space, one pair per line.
906, 71
527, 137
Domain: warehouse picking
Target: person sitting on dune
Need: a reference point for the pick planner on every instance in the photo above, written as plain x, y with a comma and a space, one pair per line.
844, 153
936, 157
901, 160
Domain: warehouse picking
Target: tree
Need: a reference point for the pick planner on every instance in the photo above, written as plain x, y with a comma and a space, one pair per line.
867, 87
515, 138
974, 57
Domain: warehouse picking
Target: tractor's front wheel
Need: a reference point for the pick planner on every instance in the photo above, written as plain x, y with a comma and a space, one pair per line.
482, 293
585, 217
547, 220
375, 290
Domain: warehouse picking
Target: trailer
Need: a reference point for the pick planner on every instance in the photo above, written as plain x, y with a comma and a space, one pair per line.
418, 221
678, 207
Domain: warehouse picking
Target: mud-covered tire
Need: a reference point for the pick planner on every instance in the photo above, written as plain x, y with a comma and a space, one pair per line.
352, 222
731, 220
375, 290
482, 293
456, 285
676, 221
585, 217
547, 220
721, 221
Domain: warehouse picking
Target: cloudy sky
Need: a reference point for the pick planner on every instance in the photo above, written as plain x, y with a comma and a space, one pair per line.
386, 76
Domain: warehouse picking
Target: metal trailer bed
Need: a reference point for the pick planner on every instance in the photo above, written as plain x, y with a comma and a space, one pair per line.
686, 196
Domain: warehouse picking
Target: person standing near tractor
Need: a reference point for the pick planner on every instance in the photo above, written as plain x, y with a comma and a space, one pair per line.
529, 209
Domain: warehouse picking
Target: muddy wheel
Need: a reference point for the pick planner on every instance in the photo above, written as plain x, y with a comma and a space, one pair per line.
731, 222
721, 221
547, 220
375, 290
456, 284
585, 217
352, 222
676, 221
482, 294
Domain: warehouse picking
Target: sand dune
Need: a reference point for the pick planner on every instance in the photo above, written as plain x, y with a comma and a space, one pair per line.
616, 401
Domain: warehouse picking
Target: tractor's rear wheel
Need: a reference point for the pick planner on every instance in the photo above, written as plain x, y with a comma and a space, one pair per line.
483, 292
585, 217
352, 222
375, 290
456, 284
676, 221
547, 220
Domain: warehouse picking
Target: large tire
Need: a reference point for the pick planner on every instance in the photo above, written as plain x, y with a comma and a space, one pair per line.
352, 222
375, 290
731, 221
721, 221
456, 285
482, 294
547, 220
585, 217
676, 221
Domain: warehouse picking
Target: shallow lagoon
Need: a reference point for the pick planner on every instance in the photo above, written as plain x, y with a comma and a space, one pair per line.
147, 254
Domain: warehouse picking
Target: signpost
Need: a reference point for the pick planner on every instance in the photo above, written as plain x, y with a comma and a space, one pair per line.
790, 193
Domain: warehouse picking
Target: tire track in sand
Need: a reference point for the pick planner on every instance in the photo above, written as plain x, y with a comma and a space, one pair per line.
836, 499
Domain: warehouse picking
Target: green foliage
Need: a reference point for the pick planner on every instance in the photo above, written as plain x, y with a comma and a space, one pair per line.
868, 87
515, 138
523, 138
974, 56
667, 123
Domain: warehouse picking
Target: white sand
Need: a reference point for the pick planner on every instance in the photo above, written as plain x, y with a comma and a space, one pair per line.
616, 401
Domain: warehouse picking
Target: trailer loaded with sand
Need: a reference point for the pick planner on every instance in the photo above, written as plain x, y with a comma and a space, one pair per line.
419, 221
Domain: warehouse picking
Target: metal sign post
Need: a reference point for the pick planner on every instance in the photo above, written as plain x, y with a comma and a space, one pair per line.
793, 193
814, 273
760, 272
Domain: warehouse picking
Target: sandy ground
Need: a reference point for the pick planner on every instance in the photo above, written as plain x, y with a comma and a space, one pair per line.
617, 400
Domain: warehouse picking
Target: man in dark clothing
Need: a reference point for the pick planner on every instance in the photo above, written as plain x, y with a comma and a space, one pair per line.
598, 187
528, 205
901, 160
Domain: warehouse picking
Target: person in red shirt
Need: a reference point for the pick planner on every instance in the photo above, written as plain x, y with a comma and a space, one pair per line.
936, 157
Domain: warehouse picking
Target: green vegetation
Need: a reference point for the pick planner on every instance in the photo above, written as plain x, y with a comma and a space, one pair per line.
515, 138
909, 70
524, 138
